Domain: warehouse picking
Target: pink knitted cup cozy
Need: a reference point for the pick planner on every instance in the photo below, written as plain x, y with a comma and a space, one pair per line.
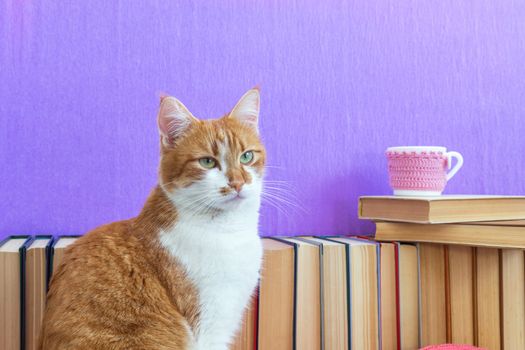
417, 172
420, 170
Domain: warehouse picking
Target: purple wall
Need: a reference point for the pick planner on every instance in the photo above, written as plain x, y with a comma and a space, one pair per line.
341, 81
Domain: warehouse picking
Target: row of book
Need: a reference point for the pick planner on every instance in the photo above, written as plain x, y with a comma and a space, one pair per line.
326, 293
330, 293
26, 265
335, 293
353, 293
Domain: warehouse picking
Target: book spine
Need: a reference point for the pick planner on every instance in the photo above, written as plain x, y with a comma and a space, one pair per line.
295, 257
460, 295
513, 298
432, 294
398, 311
22, 252
49, 252
378, 276
488, 320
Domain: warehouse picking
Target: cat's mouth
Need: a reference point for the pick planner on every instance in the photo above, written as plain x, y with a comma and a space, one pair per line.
235, 198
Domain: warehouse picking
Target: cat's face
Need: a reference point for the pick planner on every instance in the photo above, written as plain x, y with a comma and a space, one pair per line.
210, 165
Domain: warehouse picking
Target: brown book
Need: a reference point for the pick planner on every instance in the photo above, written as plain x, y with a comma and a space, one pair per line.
363, 290
460, 267
276, 297
247, 334
10, 293
308, 295
58, 250
476, 235
513, 298
334, 308
433, 323
498, 223
442, 209
408, 285
35, 289
388, 296
488, 298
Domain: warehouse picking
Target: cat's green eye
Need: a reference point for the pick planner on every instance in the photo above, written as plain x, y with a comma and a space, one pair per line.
208, 163
246, 157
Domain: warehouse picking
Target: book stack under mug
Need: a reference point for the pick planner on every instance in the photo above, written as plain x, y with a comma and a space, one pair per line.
471, 264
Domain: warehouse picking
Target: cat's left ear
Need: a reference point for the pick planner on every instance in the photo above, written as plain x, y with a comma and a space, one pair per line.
247, 109
173, 120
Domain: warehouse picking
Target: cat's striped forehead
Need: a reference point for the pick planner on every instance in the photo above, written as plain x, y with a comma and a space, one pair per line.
226, 139
222, 139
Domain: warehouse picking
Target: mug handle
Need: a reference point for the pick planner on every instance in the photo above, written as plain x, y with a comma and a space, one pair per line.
459, 163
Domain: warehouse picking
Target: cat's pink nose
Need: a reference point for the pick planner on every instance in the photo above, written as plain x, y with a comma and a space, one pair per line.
236, 185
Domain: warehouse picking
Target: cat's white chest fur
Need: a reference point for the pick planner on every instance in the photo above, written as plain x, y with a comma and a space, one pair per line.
222, 256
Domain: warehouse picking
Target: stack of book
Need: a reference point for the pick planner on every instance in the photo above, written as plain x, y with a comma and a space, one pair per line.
470, 291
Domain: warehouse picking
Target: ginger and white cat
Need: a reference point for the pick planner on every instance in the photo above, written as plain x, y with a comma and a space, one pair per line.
179, 275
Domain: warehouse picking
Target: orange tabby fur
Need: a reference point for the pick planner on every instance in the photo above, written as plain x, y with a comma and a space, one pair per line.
117, 288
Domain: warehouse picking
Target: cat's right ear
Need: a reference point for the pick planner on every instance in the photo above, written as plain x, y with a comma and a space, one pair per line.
173, 120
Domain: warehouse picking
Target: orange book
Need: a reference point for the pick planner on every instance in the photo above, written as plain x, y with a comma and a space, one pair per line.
388, 294
334, 307
276, 297
513, 298
35, 290
494, 236
488, 316
362, 284
460, 267
57, 251
433, 324
442, 209
408, 290
307, 295
12, 253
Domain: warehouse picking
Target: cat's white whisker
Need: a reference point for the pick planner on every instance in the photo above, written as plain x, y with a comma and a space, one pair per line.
276, 205
275, 196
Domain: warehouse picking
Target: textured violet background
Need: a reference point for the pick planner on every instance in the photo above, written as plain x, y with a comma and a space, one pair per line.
340, 80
